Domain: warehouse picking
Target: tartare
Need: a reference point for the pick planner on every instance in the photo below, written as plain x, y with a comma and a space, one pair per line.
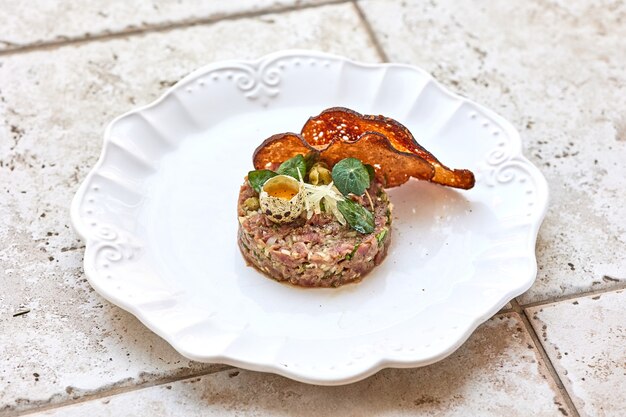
314, 211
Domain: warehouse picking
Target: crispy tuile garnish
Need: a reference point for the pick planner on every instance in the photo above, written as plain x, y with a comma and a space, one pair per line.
387, 145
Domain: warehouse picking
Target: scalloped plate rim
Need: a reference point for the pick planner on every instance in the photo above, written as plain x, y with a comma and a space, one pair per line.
382, 362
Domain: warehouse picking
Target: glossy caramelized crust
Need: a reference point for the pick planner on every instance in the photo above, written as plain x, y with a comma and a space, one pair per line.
339, 133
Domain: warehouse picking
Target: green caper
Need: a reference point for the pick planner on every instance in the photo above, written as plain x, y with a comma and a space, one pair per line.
320, 174
251, 204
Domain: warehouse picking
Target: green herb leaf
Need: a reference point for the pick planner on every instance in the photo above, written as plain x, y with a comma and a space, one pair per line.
259, 177
310, 159
359, 218
351, 176
292, 166
371, 171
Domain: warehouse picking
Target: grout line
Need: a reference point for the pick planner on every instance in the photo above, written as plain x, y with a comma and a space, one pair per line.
106, 393
163, 27
121, 390
558, 299
370, 32
546, 359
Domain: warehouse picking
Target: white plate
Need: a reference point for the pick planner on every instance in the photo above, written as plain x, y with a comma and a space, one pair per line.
158, 215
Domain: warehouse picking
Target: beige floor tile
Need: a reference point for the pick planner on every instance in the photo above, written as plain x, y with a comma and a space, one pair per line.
496, 373
554, 71
585, 339
54, 105
41, 21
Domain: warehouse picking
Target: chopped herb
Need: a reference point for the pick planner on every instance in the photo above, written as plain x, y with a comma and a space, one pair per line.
381, 236
294, 167
259, 177
351, 254
359, 218
351, 176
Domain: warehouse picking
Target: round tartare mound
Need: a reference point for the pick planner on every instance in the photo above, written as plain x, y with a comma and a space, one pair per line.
315, 252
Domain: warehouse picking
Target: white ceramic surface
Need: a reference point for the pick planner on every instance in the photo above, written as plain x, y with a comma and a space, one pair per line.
158, 215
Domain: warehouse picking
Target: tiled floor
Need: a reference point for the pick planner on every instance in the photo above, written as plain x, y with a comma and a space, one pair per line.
497, 364
37, 22
585, 339
555, 70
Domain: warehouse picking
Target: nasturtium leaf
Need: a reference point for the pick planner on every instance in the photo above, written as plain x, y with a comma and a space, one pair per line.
357, 216
351, 176
259, 177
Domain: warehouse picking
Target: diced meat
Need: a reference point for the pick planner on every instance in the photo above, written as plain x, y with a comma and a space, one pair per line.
318, 252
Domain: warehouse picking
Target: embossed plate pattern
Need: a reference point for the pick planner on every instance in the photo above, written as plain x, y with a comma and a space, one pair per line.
158, 215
